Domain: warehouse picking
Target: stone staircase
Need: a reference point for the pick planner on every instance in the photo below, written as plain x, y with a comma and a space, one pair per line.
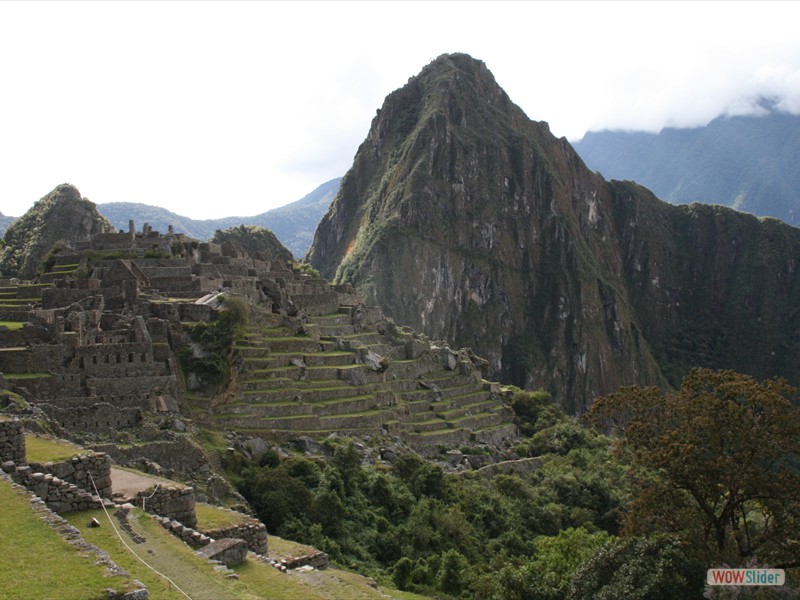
330, 374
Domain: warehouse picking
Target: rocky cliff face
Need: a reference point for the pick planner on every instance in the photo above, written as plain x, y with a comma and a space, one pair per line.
61, 216
468, 221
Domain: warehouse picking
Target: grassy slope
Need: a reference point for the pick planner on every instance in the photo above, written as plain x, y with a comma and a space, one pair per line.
198, 579
192, 574
172, 557
54, 565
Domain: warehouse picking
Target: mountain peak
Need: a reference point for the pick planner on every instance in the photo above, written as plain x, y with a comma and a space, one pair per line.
60, 216
468, 221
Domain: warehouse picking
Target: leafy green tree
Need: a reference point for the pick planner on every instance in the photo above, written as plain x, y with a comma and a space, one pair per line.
422, 477
277, 496
402, 573
452, 574
216, 338
639, 569
547, 575
716, 462
535, 410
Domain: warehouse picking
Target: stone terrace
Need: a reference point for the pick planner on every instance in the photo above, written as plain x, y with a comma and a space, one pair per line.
333, 374
99, 353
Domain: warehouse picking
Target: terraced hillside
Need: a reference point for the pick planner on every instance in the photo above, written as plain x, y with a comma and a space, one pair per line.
323, 374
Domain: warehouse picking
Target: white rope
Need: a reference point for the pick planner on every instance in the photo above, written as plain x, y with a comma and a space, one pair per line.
124, 543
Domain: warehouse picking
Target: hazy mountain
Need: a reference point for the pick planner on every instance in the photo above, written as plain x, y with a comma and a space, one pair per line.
5, 222
293, 224
748, 163
468, 221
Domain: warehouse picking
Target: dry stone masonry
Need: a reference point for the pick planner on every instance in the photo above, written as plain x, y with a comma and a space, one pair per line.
174, 502
60, 496
12, 442
98, 355
89, 471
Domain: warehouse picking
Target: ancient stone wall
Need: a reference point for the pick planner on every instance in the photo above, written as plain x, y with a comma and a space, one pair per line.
187, 534
318, 560
12, 442
93, 416
59, 495
228, 551
173, 502
180, 456
30, 360
323, 303
252, 532
82, 471
195, 312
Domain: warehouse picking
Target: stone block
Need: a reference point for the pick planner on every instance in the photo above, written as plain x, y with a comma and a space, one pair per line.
228, 551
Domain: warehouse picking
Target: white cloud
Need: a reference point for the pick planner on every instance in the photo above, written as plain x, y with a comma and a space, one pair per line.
213, 109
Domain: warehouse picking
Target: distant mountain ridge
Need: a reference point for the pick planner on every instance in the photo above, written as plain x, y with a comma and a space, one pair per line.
293, 224
5, 222
749, 163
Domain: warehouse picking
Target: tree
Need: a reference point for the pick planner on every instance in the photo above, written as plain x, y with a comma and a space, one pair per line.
452, 574
402, 573
547, 575
638, 569
716, 462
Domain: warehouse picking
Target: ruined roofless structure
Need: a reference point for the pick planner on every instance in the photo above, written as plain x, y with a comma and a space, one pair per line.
104, 326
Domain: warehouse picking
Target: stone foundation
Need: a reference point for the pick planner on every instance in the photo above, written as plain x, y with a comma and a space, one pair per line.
228, 551
81, 471
253, 533
12, 442
318, 560
176, 503
58, 495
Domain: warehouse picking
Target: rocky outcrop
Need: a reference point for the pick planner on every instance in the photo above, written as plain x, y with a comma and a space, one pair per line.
253, 240
466, 220
62, 216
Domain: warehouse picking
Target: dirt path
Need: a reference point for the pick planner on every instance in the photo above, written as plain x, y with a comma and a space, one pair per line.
128, 483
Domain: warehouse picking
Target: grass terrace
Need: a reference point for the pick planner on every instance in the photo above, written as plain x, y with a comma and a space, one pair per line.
214, 517
40, 449
15, 376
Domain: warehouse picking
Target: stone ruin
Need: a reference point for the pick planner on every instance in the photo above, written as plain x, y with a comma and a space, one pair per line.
97, 352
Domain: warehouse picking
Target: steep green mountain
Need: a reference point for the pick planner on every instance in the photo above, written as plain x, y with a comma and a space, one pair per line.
468, 221
746, 162
293, 224
61, 216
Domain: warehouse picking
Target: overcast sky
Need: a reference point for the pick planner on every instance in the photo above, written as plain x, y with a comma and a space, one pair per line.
229, 109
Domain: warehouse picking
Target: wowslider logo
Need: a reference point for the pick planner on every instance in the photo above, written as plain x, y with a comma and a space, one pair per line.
746, 577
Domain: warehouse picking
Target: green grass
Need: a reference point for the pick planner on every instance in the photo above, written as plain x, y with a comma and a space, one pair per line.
38, 563
26, 375
213, 517
41, 450
12, 325
162, 550
196, 577
281, 548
